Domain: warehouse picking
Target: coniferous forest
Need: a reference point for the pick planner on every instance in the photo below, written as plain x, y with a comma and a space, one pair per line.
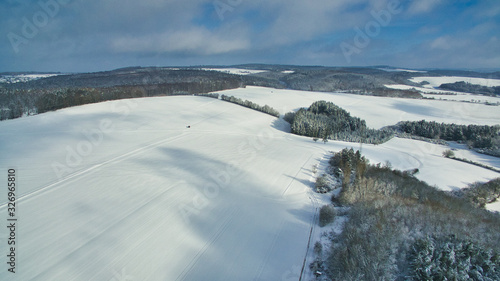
477, 136
327, 121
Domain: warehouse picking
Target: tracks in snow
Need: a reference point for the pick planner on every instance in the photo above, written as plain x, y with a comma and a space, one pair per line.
233, 212
83, 172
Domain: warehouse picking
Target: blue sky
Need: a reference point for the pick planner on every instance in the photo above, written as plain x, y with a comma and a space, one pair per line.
80, 36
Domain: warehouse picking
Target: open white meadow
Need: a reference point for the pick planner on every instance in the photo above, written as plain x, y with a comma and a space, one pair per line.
193, 188
447, 95
435, 82
377, 111
238, 71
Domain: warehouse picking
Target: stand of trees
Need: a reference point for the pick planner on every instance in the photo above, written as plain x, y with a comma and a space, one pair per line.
471, 88
327, 121
246, 103
478, 136
400, 228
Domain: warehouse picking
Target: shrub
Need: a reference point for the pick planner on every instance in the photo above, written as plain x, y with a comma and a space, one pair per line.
448, 153
318, 248
326, 215
481, 194
322, 185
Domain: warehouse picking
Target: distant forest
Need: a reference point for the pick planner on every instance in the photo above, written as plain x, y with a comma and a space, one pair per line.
41, 96
52, 93
471, 88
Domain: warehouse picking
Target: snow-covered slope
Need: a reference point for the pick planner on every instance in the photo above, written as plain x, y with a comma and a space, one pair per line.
377, 111
125, 189
446, 95
148, 197
435, 82
23, 78
238, 71
401, 70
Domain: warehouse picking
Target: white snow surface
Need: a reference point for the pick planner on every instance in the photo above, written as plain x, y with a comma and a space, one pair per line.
446, 95
223, 200
377, 111
494, 207
124, 189
238, 71
11, 79
402, 70
435, 82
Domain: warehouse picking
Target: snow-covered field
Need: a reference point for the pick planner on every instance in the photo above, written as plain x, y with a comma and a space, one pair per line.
124, 189
435, 82
445, 95
401, 70
377, 111
23, 78
143, 195
238, 71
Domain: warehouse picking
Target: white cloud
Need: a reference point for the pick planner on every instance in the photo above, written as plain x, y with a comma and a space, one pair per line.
293, 21
198, 41
442, 43
423, 6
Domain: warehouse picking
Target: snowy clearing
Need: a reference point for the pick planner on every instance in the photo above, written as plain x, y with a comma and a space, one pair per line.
421, 89
183, 188
238, 71
223, 200
445, 95
435, 82
11, 79
377, 111
494, 207
402, 70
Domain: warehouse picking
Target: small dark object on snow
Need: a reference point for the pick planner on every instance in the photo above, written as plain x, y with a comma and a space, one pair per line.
188, 127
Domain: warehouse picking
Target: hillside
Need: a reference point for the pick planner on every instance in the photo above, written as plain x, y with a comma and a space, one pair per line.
109, 186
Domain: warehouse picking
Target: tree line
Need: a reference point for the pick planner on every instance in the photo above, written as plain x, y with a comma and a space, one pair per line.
478, 136
246, 103
462, 86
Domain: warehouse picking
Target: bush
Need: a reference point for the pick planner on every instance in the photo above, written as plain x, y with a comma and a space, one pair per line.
481, 194
326, 215
322, 185
448, 153
318, 248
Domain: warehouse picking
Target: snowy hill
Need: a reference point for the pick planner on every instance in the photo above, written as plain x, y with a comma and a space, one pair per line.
192, 188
